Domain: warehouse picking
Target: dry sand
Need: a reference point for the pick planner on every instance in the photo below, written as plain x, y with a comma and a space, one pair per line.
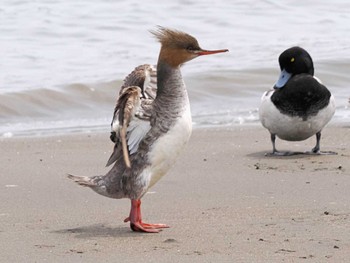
224, 200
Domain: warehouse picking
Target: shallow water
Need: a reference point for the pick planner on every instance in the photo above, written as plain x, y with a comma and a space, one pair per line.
62, 62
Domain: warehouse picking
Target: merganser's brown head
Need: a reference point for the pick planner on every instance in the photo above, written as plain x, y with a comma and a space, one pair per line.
178, 47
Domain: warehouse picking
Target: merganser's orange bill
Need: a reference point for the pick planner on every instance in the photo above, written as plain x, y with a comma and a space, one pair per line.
209, 52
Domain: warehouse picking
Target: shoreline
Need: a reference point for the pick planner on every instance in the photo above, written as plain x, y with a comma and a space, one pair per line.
224, 200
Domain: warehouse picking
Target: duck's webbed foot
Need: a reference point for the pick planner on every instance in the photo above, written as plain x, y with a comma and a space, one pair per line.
316, 150
278, 153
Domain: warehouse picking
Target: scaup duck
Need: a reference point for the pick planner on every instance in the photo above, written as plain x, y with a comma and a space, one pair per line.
299, 105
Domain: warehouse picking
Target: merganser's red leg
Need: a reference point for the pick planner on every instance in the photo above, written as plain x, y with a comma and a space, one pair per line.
135, 219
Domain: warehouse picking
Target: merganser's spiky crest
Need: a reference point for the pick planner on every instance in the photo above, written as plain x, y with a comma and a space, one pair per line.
178, 47
170, 38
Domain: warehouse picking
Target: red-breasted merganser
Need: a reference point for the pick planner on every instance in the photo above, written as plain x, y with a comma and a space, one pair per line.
299, 106
150, 127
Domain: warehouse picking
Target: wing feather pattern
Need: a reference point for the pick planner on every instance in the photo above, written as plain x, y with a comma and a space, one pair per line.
131, 119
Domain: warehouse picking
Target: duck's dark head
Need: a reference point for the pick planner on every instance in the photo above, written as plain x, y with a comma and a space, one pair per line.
293, 61
178, 47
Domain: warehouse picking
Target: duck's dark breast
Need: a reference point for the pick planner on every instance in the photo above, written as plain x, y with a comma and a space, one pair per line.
302, 96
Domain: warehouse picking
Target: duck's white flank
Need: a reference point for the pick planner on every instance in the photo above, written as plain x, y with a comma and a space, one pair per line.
292, 128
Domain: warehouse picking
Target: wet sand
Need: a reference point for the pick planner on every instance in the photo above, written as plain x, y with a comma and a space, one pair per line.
224, 200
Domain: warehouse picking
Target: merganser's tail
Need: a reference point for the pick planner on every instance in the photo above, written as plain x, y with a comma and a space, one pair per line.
83, 180
98, 184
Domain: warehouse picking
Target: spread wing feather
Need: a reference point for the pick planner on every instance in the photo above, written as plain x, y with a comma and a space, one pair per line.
131, 119
137, 129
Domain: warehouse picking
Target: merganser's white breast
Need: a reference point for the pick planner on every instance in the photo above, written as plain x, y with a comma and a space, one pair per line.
167, 148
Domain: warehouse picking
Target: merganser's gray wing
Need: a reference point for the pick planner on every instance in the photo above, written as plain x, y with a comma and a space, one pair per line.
131, 118
145, 77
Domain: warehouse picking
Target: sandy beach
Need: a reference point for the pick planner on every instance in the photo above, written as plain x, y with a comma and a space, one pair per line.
224, 200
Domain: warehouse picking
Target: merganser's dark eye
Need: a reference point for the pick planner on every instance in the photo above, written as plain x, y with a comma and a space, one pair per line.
190, 48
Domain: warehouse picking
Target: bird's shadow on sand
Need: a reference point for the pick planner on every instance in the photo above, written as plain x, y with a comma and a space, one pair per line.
97, 230
267, 155
289, 155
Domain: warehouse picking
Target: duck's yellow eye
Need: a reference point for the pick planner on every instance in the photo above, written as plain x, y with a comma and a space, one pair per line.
292, 59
